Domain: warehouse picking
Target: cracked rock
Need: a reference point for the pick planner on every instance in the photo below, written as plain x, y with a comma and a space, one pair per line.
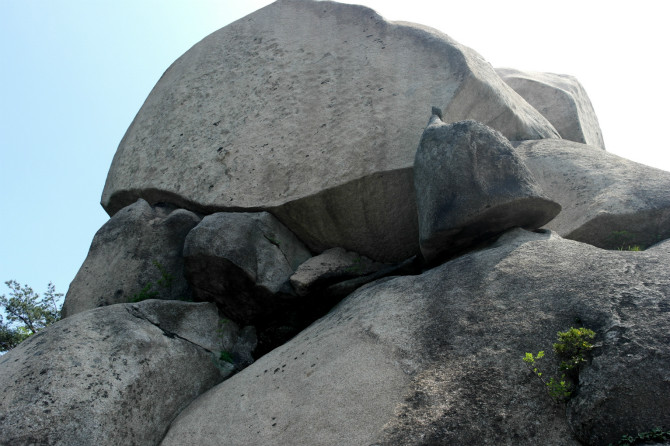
332, 266
112, 375
242, 261
436, 358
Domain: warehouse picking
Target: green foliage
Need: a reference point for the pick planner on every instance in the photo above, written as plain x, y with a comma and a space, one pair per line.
166, 278
226, 356
571, 348
627, 241
635, 248
356, 266
164, 282
27, 313
653, 436
145, 293
622, 239
558, 389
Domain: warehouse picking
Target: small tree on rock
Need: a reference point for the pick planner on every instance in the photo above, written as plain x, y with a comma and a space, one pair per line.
27, 313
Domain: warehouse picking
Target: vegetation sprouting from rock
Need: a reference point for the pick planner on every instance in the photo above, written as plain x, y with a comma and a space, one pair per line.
656, 435
571, 348
149, 292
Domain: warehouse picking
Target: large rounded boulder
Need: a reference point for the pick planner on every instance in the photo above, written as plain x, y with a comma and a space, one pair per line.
607, 201
470, 186
561, 99
320, 128
136, 254
116, 375
436, 359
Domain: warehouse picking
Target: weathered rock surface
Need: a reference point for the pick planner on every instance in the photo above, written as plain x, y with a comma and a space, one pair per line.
332, 265
561, 99
113, 375
124, 255
243, 262
437, 358
626, 389
471, 185
317, 127
607, 201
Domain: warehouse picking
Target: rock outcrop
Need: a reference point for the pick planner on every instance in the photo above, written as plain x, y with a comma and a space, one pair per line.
562, 100
318, 127
243, 262
139, 247
293, 134
607, 201
471, 186
113, 375
437, 358
332, 266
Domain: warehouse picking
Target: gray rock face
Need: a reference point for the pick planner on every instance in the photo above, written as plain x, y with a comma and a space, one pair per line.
625, 390
312, 110
124, 255
561, 99
437, 358
470, 186
333, 265
113, 375
607, 201
242, 261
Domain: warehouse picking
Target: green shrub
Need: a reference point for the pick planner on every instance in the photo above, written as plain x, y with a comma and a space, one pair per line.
226, 356
145, 294
571, 348
165, 282
657, 435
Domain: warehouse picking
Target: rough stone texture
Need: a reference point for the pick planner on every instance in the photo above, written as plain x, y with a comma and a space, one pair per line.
111, 376
471, 185
120, 262
626, 389
333, 265
437, 358
242, 261
312, 110
607, 201
561, 99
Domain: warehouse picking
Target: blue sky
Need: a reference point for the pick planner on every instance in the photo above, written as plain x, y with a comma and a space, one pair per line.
75, 73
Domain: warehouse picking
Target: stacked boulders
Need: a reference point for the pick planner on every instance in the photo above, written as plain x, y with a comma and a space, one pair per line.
243, 261
117, 374
138, 251
436, 358
284, 175
318, 127
471, 186
562, 100
608, 201
332, 266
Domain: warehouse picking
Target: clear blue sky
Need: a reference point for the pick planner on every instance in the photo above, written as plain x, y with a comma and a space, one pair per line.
74, 73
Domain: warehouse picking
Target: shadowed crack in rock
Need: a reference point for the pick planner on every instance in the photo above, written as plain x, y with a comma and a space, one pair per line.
137, 312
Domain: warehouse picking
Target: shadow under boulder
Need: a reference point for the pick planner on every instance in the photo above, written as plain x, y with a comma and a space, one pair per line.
437, 358
243, 262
